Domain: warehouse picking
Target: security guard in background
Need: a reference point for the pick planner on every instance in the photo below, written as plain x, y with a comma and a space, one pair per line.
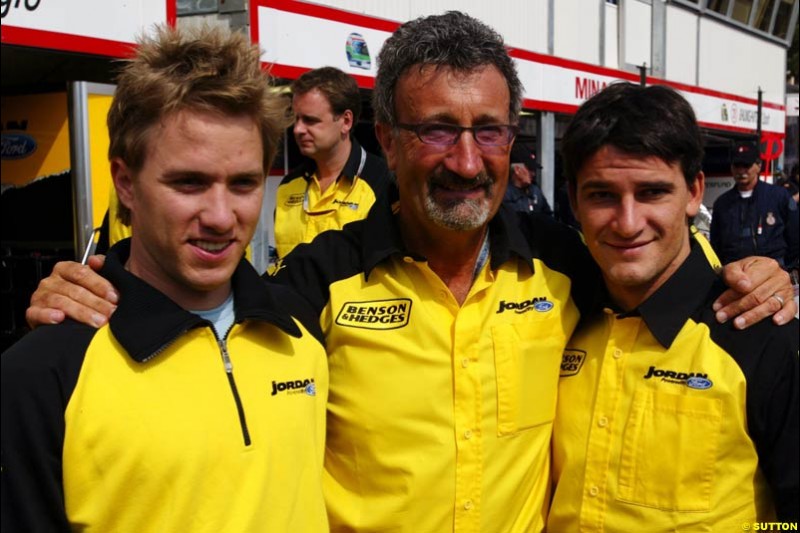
342, 180
754, 218
522, 194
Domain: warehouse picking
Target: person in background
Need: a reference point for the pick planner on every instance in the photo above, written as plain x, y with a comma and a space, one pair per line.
790, 186
522, 194
340, 181
201, 405
755, 217
666, 420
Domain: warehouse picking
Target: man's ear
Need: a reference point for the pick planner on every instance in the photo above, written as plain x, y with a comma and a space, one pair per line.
696, 190
385, 134
347, 122
122, 176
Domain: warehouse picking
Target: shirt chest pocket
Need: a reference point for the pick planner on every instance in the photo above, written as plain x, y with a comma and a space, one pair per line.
669, 451
527, 359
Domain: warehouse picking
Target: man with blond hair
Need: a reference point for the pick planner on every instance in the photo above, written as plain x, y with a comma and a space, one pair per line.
200, 406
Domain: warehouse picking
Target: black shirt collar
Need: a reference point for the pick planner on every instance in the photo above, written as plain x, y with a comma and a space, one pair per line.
505, 237
350, 169
147, 321
666, 310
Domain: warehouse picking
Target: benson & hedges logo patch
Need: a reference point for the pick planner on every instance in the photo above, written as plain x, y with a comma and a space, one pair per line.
376, 314
572, 361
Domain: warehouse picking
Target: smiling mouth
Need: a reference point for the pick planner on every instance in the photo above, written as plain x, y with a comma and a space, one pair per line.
460, 186
444, 195
624, 247
211, 246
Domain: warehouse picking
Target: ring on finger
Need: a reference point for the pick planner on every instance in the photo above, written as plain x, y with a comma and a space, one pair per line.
779, 298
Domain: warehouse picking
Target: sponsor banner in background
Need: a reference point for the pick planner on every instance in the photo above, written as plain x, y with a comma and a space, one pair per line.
715, 187
330, 37
35, 137
100, 27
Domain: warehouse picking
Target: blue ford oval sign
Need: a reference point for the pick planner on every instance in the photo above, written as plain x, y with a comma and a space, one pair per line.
543, 307
17, 145
696, 382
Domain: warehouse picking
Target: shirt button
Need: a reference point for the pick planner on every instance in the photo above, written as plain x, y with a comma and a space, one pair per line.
617, 353
468, 434
465, 362
602, 421
468, 505
594, 490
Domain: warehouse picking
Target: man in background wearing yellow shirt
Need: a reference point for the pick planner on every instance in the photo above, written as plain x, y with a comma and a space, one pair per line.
341, 180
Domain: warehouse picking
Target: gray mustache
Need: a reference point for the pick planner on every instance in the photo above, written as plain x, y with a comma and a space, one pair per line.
453, 181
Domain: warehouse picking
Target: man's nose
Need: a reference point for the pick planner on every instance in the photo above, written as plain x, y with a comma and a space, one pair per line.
465, 158
628, 220
218, 213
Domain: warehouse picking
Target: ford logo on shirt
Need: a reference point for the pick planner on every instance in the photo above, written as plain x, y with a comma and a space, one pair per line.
696, 382
543, 306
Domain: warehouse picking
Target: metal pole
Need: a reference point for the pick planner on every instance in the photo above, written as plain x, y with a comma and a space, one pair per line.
643, 75
758, 116
546, 149
81, 167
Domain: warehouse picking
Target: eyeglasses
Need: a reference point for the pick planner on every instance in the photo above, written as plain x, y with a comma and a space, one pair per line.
448, 134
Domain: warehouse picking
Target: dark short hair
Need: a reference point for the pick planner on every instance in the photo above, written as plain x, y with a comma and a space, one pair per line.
339, 88
453, 40
644, 121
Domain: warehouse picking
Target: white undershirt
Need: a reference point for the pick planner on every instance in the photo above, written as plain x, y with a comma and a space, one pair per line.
221, 316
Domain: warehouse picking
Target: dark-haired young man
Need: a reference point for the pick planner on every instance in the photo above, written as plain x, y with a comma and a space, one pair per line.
666, 420
342, 180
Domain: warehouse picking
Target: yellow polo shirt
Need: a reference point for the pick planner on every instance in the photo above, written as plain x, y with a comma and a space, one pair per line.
669, 421
440, 415
303, 211
153, 424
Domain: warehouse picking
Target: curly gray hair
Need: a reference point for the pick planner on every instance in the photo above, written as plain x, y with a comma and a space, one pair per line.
452, 40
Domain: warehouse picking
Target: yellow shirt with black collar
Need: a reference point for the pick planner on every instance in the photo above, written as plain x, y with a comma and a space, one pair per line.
669, 421
440, 415
303, 211
157, 423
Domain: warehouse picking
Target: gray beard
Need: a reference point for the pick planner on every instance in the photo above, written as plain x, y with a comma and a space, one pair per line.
461, 216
